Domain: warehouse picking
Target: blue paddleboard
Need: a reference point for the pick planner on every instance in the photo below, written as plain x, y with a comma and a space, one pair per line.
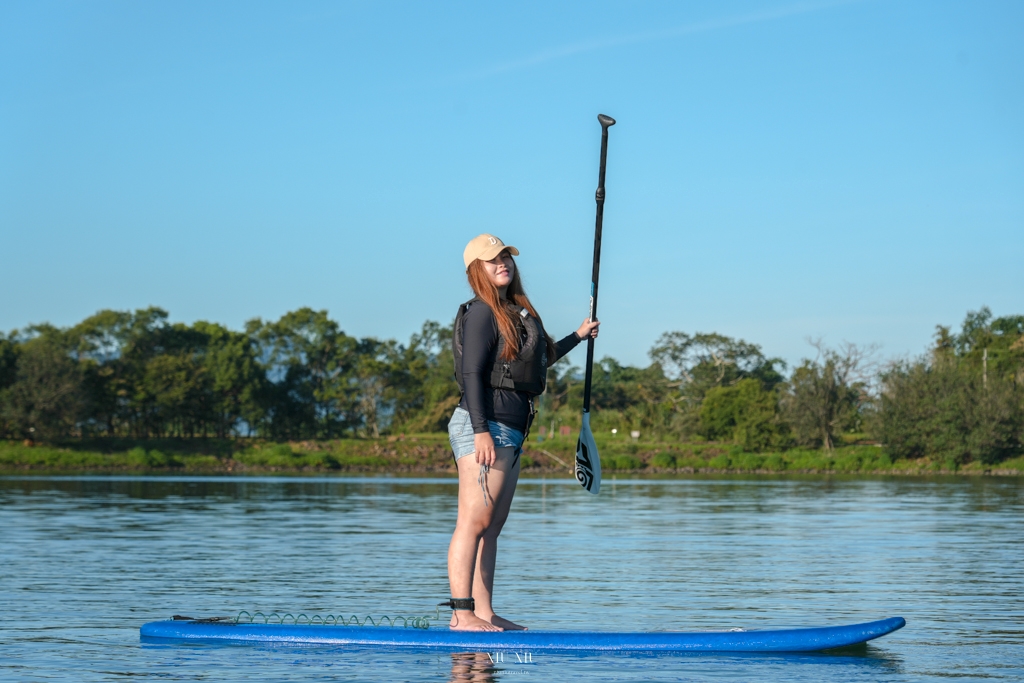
441, 638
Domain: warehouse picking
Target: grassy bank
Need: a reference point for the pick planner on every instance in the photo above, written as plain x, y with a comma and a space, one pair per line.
429, 453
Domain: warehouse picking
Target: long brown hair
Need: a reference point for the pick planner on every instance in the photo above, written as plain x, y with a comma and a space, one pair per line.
487, 291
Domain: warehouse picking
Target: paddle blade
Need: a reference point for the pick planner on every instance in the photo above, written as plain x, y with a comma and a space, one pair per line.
588, 462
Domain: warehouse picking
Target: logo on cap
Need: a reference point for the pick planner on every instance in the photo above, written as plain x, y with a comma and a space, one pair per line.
492, 240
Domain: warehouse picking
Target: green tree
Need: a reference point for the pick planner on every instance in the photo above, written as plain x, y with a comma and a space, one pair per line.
695, 364
308, 361
702, 361
174, 389
99, 343
962, 402
991, 347
146, 377
9, 350
237, 382
825, 395
380, 374
944, 410
623, 396
428, 393
45, 399
744, 413
143, 338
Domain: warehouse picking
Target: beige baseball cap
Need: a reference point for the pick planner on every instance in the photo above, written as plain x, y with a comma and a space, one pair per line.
485, 247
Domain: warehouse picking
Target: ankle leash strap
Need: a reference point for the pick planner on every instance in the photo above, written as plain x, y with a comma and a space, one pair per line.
459, 603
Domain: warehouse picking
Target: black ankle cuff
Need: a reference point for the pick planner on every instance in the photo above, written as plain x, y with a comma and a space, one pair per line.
459, 603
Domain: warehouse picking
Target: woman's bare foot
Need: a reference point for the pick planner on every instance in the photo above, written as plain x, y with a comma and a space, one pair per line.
464, 620
505, 624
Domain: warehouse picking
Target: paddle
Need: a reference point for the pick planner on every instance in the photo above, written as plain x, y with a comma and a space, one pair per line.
588, 462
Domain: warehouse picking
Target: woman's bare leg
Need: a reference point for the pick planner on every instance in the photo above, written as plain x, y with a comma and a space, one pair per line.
473, 521
487, 551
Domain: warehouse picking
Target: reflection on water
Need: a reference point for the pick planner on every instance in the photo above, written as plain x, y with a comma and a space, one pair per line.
479, 667
86, 560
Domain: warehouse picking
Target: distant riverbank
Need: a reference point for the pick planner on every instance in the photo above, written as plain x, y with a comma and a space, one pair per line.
430, 453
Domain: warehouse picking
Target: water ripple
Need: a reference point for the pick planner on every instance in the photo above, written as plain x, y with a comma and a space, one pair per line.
87, 560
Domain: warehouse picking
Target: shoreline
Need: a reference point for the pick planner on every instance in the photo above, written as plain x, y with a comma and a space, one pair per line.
429, 454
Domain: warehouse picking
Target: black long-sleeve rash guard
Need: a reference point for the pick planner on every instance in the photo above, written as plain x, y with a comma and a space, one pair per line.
479, 349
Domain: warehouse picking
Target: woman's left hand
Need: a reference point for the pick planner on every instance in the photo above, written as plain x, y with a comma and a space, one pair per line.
588, 329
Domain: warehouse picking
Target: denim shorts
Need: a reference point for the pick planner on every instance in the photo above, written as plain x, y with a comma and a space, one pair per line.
460, 434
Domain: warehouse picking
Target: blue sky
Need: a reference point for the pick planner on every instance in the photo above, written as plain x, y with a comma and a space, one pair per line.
780, 170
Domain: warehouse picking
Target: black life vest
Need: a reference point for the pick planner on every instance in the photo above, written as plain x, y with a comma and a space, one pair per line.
526, 372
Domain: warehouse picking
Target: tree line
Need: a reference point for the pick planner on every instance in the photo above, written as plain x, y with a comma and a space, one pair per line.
137, 375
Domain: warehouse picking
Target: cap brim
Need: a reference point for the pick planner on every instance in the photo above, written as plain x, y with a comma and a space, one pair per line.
493, 251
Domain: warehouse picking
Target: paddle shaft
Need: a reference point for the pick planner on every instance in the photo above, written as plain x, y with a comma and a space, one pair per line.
606, 122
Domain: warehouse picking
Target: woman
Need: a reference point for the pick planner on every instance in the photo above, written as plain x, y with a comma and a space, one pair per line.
501, 358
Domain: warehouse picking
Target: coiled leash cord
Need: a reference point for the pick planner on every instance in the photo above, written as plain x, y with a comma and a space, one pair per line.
482, 480
322, 620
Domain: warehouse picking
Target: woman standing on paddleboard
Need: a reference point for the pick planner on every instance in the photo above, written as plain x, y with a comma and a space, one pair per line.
502, 354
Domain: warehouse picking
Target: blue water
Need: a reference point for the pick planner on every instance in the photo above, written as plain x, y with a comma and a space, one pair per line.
85, 561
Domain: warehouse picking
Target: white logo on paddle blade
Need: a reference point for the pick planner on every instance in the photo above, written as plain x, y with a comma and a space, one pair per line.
588, 462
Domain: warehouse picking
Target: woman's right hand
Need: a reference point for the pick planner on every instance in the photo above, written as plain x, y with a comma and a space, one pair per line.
484, 445
588, 329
